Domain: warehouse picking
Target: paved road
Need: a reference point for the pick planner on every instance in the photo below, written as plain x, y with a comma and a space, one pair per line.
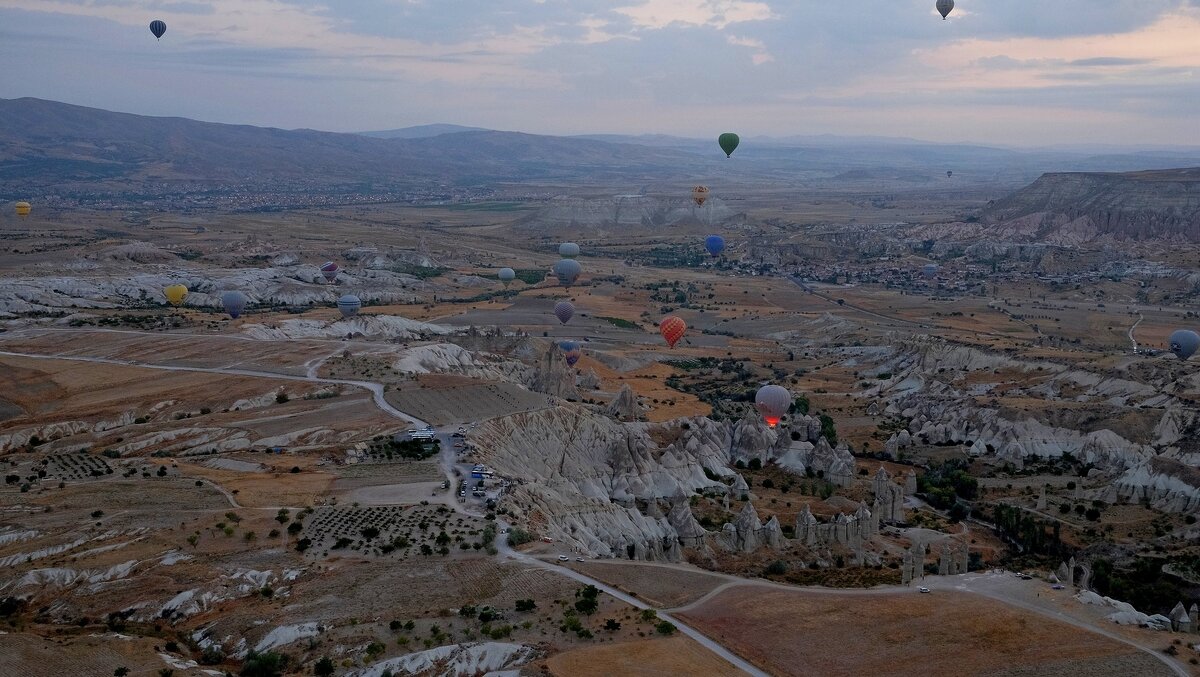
1133, 329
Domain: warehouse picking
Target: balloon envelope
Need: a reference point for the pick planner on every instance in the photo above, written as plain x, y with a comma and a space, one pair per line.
672, 329
700, 195
564, 311
571, 351
728, 142
772, 402
929, 270
949, 173
234, 303
715, 244
23, 208
349, 305
568, 250
176, 294
506, 275
567, 271
330, 270
1185, 343
158, 27
944, 7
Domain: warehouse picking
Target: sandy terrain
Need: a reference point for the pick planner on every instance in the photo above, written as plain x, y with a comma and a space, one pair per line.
650, 658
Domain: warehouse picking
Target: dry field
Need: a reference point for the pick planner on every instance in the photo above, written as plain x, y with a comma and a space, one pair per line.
944, 634
445, 400
648, 658
662, 587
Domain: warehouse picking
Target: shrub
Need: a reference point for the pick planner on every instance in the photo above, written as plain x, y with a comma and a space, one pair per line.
665, 628
324, 667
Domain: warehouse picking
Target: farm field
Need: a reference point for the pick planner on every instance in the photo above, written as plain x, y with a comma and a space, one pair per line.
649, 658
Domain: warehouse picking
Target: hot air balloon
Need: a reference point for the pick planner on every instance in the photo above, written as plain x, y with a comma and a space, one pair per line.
944, 7
772, 402
158, 27
507, 275
564, 311
949, 173
728, 142
176, 294
700, 195
1184, 343
571, 351
568, 250
715, 244
567, 271
234, 303
349, 305
330, 270
929, 270
672, 329
23, 208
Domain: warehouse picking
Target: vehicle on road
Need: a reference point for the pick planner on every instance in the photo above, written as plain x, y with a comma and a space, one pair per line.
1058, 586
923, 589
564, 558
578, 559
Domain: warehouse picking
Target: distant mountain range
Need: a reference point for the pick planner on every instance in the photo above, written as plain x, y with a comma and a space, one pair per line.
68, 151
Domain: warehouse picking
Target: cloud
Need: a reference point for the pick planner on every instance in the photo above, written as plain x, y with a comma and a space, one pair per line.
659, 14
760, 56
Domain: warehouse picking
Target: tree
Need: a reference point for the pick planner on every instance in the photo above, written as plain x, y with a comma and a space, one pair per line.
612, 625
370, 533
665, 628
121, 671
526, 605
324, 667
586, 605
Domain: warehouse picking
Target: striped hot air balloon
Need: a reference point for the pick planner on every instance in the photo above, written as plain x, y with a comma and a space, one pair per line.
571, 351
330, 270
349, 305
23, 208
158, 28
672, 329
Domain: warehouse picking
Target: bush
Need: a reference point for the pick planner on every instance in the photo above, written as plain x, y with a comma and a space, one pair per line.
518, 537
324, 667
526, 605
269, 664
281, 398
777, 568
755, 464
665, 628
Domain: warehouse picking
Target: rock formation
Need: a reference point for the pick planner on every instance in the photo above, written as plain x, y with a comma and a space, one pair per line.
624, 406
552, 376
889, 497
846, 530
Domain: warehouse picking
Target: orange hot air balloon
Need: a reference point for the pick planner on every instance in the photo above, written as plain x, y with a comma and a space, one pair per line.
672, 329
700, 195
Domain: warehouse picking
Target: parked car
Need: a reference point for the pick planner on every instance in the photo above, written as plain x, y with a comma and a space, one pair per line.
922, 589
578, 559
564, 558
1058, 586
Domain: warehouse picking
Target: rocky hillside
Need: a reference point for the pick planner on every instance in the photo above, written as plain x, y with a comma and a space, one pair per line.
1081, 207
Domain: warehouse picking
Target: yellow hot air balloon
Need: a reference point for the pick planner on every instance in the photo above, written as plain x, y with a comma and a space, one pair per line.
23, 208
176, 294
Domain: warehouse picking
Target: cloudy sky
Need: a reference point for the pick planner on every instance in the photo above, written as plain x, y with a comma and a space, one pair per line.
1019, 72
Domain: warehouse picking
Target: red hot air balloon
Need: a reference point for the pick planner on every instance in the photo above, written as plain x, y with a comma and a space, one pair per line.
672, 329
564, 311
772, 402
330, 270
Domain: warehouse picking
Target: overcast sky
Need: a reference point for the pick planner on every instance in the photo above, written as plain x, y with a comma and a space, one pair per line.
1020, 72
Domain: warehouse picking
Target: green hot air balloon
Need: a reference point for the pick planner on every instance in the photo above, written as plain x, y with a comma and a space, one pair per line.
729, 143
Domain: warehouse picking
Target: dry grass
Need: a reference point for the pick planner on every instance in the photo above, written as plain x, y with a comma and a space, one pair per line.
660, 587
945, 633
650, 658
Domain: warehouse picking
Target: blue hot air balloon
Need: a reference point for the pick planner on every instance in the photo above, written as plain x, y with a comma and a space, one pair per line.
234, 303
715, 244
564, 311
158, 28
1184, 343
567, 271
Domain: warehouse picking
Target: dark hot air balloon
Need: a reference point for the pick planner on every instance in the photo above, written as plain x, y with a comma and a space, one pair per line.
567, 271
728, 142
234, 303
929, 270
949, 173
158, 27
564, 311
944, 7
1184, 343
772, 402
349, 305
672, 329
715, 244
